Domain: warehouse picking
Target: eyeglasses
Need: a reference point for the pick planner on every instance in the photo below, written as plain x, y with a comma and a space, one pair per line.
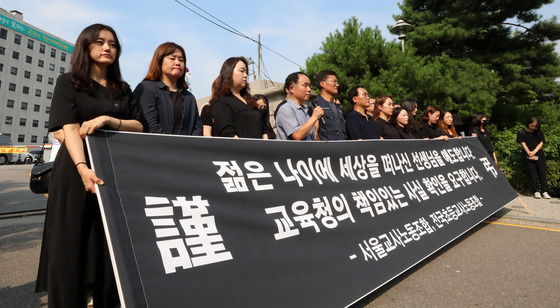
332, 80
364, 94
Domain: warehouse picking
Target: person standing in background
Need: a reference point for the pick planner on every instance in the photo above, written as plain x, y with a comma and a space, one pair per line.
532, 140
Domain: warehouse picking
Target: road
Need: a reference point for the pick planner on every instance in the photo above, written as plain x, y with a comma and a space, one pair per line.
492, 265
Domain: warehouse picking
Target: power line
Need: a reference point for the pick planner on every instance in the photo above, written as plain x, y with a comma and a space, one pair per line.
230, 28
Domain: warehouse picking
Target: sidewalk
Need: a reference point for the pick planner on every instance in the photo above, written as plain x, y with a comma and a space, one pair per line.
545, 211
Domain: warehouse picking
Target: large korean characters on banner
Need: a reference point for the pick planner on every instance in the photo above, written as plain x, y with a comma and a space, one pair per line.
214, 222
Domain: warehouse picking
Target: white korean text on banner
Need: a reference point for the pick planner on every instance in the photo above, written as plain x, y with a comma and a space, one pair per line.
216, 222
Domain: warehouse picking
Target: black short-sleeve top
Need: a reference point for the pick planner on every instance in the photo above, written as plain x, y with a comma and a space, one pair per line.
531, 140
484, 138
71, 106
206, 115
386, 130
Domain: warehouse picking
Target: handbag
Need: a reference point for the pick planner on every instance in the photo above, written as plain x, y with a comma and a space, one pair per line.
40, 176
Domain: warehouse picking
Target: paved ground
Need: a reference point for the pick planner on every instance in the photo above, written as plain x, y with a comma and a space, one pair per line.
509, 261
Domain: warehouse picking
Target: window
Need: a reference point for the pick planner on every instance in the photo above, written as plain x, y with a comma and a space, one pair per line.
41, 63
2, 50
53, 53
42, 48
12, 87
21, 138
23, 106
39, 77
27, 74
36, 107
49, 95
46, 124
10, 103
3, 33
1, 67
33, 139
22, 121
51, 80
62, 70
17, 39
38, 92
15, 55
13, 70
62, 57
8, 120
51, 67
30, 43
48, 109
28, 59
25, 90
35, 123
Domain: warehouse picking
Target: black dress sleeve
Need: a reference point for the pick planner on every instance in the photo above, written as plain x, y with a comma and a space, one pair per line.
64, 109
223, 115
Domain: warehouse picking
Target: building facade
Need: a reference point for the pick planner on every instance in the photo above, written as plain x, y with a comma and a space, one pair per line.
30, 62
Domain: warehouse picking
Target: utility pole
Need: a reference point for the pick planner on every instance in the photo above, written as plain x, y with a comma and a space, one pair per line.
260, 56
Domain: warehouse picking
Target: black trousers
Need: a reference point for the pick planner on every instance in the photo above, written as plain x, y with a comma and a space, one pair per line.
534, 168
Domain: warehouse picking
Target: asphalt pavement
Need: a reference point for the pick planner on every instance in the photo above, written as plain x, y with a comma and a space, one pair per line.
511, 260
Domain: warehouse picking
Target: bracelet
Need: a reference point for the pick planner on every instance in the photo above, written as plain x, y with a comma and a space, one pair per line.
82, 162
120, 122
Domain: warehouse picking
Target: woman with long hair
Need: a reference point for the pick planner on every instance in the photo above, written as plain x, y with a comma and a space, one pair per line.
167, 106
447, 125
414, 124
400, 121
532, 141
382, 112
431, 126
479, 120
234, 110
74, 257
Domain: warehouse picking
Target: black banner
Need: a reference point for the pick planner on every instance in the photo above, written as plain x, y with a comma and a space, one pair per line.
215, 222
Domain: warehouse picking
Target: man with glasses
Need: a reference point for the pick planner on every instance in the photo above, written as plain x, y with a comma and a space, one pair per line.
360, 125
331, 125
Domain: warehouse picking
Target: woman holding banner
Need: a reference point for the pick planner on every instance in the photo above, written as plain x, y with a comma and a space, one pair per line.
234, 110
74, 254
168, 107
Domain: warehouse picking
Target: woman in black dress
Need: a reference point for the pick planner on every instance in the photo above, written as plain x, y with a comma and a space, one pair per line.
74, 254
264, 108
382, 112
234, 110
532, 141
167, 105
483, 135
399, 120
431, 126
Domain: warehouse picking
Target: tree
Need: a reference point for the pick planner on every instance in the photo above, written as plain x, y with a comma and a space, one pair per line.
360, 56
507, 37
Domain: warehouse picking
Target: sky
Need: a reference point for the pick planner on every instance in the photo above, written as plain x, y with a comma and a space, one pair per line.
295, 29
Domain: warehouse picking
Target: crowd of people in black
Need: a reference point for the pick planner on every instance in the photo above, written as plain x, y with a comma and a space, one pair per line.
75, 260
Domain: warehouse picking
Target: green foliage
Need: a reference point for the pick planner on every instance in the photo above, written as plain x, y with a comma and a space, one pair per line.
508, 152
507, 37
360, 56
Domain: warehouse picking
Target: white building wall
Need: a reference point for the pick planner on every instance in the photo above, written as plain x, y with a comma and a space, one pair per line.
24, 111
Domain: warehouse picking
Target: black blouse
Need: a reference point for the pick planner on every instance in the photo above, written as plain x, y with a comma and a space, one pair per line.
232, 117
484, 138
386, 130
433, 130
